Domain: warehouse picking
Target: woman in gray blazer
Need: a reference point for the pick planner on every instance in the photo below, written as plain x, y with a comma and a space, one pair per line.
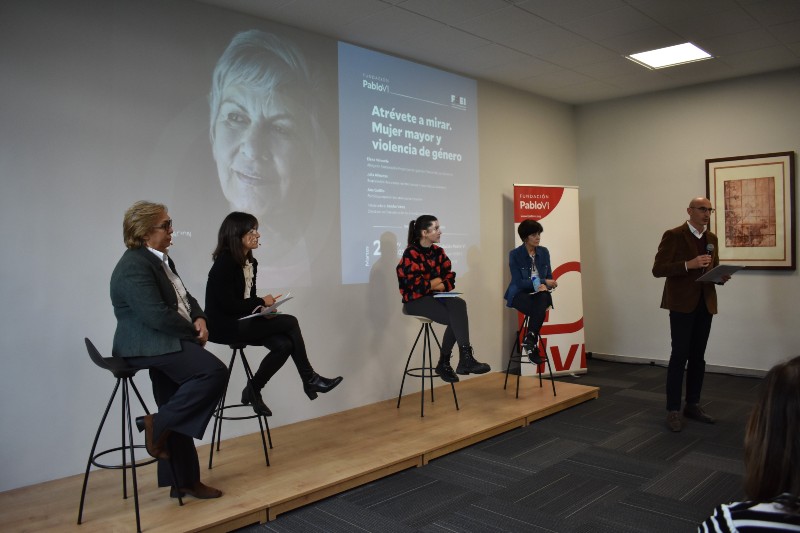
161, 327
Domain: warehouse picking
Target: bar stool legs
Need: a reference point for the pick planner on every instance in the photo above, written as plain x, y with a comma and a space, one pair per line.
219, 412
124, 375
420, 372
126, 421
516, 356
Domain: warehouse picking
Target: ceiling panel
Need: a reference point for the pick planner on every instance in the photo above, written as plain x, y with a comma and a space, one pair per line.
389, 26
502, 25
563, 12
670, 11
442, 43
738, 42
612, 23
547, 39
321, 16
606, 70
526, 67
755, 60
788, 32
453, 12
582, 56
568, 50
643, 40
772, 12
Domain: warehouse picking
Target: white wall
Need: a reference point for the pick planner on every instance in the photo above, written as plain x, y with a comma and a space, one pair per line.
523, 139
640, 161
73, 157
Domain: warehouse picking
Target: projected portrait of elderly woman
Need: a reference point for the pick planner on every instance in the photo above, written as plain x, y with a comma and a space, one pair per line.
268, 145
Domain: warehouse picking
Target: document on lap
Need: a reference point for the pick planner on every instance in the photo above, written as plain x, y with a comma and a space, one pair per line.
451, 294
272, 309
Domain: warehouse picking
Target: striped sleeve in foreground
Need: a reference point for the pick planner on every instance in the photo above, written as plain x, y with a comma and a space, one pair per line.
750, 517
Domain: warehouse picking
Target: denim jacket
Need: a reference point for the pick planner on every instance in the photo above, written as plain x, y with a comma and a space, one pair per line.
519, 262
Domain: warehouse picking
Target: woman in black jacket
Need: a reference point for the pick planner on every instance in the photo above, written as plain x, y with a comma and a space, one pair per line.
231, 295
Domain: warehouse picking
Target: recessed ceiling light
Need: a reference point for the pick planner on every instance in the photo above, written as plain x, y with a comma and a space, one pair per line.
670, 56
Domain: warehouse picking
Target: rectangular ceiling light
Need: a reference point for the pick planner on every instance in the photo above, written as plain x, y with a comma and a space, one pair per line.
670, 56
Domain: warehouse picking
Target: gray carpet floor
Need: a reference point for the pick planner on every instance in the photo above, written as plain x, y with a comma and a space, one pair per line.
607, 465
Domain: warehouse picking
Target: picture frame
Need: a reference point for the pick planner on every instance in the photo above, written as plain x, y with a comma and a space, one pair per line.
754, 217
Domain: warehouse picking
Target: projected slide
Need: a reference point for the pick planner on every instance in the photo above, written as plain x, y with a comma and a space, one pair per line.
408, 146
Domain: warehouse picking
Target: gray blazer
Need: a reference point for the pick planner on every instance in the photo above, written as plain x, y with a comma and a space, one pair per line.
146, 307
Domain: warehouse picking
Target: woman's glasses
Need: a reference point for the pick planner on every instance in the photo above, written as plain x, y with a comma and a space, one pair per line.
165, 226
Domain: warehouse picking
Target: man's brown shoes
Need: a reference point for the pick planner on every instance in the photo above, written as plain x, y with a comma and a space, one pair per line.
674, 421
694, 411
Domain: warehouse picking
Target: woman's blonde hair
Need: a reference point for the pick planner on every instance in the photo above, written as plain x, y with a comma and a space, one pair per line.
140, 218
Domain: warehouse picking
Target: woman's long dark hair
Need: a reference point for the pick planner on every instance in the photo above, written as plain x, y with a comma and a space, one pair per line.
229, 239
416, 227
772, 438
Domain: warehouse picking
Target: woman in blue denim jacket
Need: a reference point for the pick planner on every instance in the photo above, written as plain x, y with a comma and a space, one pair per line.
531, 282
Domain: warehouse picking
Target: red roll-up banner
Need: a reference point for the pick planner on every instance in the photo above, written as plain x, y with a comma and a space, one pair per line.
556, 209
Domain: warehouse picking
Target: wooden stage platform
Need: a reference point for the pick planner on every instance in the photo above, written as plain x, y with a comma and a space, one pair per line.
311, 460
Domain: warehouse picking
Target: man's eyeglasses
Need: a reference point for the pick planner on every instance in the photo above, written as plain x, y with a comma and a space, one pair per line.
165, 226
704, 209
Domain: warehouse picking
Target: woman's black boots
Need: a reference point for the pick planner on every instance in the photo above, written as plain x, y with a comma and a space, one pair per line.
467, 364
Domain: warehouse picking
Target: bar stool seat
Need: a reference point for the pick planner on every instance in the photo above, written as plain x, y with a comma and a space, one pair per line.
516, 356
124, 375
420, 372
220, 414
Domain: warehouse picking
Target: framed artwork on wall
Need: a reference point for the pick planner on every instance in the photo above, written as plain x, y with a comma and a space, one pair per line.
755, 214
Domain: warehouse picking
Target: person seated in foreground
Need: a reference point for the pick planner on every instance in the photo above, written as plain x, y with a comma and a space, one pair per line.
771, 460
231, 294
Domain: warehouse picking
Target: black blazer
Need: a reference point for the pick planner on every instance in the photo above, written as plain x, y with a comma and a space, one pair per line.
225, 301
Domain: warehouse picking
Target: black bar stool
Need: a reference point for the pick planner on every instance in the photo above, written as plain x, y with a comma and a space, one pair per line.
124, 374
219, 412
517, 357
419, 372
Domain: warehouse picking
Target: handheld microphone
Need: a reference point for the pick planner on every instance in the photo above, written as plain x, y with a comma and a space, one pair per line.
709, 251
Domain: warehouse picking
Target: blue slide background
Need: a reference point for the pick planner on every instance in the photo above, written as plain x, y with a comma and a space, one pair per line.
389, 174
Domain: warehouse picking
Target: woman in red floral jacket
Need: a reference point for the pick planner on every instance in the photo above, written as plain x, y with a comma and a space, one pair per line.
424, 271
